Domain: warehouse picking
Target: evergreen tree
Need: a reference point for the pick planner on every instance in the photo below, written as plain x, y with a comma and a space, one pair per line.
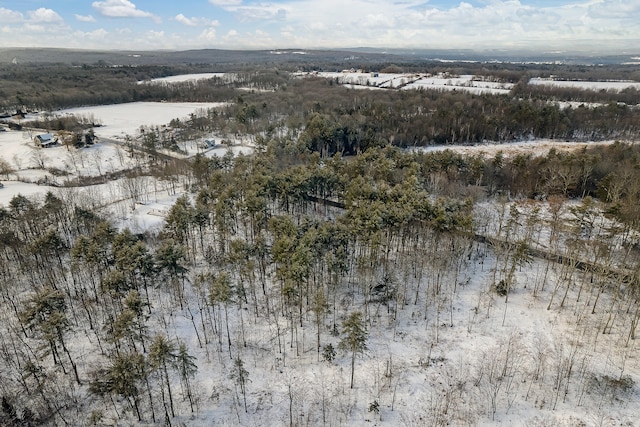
240, 376
354, 338
46, 315
123, 378
187, 368
162, 355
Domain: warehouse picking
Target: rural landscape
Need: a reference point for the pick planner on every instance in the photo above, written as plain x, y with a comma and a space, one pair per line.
318, 238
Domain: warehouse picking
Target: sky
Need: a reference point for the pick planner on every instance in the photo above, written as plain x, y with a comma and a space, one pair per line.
545, 25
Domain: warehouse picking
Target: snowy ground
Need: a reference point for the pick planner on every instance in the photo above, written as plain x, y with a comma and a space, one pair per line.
31, 163
120, 120
467, 83
580, 84
435, 362
535, 147
37, 171
184, 78
577, 104
439, 362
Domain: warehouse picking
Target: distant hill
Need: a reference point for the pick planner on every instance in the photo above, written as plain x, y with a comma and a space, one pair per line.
359, 55
202, 56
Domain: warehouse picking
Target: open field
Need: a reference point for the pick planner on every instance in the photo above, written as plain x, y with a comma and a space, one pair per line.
120, 120
181, 78
416, 81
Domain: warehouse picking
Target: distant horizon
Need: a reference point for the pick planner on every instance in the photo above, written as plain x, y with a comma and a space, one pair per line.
346, 48
357, 49
349, 56
590, 26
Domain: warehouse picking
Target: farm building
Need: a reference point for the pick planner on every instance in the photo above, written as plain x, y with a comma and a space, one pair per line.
45, 140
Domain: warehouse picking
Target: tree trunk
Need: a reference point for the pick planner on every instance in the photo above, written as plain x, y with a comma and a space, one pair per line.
166, 378
353, 365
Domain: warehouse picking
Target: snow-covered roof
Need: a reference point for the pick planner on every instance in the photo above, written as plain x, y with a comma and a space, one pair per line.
45, 137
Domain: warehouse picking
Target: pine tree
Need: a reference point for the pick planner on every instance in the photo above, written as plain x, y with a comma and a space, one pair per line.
187, 369
162, 354
319, 307
123, 377
221, 292
240, 375
46, 315
355, 338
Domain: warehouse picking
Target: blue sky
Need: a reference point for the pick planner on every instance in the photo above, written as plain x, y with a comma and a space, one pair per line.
548, 25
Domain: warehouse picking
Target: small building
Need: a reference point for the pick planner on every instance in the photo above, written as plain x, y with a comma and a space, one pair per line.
45, 140
208, 143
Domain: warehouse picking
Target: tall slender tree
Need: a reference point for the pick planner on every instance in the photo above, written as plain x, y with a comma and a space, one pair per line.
162, 355
354, 338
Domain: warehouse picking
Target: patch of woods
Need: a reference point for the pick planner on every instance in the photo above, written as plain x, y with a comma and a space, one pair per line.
278, 260
68, 122
315, 114
37, 87
627, 96
326, 117
606, 172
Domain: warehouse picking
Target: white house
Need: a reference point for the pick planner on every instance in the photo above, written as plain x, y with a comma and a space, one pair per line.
45, 140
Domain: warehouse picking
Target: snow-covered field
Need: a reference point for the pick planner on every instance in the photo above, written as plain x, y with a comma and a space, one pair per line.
466, 83
32, 163
119, 120
183, 78
37, 171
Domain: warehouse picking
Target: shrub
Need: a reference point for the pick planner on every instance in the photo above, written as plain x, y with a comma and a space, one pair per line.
501, 288
328, 353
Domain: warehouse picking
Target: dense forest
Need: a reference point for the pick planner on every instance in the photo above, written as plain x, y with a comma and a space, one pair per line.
339, 275
281, 239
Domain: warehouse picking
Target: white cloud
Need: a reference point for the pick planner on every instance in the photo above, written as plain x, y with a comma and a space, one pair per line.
341, 23
99, 34
10, 16
208, 35
262, 12
127, 32
87, 18
186, 21
153, 35
419, 24
121, 9
225, 3
43, 15
196, 21
45, 31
